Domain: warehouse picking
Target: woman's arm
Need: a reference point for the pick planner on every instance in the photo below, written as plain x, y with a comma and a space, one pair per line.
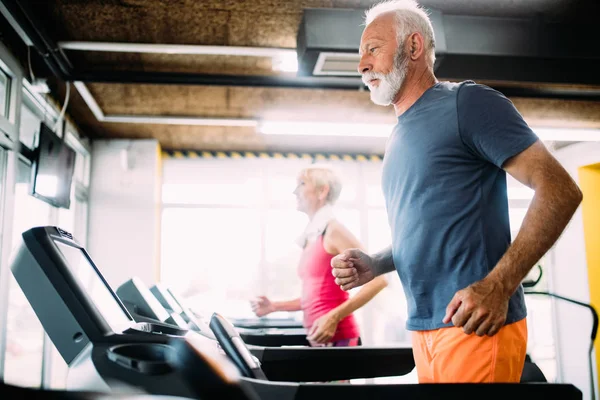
262, 306
290, 305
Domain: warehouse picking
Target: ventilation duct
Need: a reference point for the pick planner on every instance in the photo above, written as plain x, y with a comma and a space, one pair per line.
467, 47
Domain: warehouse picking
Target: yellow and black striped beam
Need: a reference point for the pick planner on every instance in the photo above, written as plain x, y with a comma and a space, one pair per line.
316, 157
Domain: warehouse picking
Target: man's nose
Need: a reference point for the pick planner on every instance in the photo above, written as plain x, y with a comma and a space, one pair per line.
364, 66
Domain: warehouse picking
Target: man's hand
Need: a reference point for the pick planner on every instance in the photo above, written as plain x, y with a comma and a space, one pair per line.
352, 268
323, 329
262, 306
480, 308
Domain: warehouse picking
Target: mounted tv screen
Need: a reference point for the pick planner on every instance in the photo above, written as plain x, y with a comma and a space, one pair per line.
52, 170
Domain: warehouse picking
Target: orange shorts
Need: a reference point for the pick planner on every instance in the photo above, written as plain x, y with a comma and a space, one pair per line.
448, 355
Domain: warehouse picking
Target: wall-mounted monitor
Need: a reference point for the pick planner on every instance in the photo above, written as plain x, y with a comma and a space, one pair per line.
52, 169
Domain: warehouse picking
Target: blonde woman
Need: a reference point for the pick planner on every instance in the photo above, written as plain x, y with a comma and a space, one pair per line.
327, 309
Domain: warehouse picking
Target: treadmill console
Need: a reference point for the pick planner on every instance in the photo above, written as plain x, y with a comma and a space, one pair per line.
167, 296
68, 293
143, 305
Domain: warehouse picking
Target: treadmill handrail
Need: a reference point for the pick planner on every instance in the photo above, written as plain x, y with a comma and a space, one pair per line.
297, 364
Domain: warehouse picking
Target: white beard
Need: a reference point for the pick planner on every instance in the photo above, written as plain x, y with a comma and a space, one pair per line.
389, 84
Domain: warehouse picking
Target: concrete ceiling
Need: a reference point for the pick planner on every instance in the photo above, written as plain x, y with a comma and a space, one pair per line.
259, 23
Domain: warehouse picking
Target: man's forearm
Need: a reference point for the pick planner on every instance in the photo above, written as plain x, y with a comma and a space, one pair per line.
291, 305
383, 262
550, 211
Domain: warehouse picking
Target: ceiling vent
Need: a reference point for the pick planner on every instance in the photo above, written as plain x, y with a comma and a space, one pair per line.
336, 64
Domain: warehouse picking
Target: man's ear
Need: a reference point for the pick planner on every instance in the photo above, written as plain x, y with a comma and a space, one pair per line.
416, 45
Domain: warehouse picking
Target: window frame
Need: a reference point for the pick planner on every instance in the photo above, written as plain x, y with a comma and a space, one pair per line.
22, 94
9, 125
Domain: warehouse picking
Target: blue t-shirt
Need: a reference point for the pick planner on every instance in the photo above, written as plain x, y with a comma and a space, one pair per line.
445, 194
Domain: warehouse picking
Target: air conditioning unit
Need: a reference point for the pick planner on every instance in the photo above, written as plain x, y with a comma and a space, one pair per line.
328, 41
466, 47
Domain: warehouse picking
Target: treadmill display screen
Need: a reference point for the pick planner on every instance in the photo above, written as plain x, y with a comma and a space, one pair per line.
94, 286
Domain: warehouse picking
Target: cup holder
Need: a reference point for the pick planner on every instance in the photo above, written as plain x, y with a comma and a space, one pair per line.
167, 330
146, 358
158, 329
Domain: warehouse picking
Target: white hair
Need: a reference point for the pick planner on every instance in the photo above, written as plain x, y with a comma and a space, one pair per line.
410, 18
324, 174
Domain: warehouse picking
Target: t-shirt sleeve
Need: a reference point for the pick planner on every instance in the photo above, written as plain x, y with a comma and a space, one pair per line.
490, 125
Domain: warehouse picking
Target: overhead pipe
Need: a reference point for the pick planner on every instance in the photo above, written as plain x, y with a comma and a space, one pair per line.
300, 82
52, 49
17, 17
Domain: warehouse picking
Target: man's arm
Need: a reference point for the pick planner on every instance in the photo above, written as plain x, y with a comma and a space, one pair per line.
554, 203
482, 306
337, 239
353, 267
383, 262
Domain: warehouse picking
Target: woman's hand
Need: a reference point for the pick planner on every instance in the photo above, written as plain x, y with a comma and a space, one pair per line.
323, 329
262, 306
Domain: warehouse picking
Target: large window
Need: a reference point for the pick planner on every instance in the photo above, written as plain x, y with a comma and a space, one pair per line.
25, 334
217, 251
30, 358
229, 231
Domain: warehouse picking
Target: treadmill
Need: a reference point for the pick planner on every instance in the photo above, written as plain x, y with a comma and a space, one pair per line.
268, 337
103, 346
106, 349
101, 341
286, 362
254, 378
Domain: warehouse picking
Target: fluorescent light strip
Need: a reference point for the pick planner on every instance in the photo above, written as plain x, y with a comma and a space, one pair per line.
89, 100
284, 60
176, 120
177, 49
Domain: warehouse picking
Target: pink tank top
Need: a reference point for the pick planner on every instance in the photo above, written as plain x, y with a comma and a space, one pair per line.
320, 294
